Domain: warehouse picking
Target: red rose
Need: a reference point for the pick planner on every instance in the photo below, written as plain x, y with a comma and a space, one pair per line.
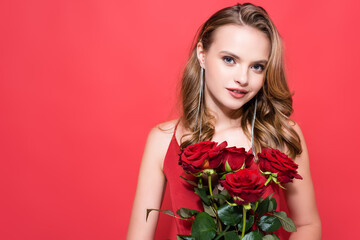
234, 158
204, 155
272, 160
245, 185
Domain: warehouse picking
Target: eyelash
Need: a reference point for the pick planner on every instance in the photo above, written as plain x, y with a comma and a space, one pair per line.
232, 59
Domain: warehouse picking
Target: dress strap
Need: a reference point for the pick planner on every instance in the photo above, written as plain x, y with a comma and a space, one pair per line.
177, 123
174, 134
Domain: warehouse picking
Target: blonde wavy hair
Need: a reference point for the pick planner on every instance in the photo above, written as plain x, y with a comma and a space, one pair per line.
274, 107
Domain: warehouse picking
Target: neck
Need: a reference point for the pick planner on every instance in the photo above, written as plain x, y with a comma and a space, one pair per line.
225, 118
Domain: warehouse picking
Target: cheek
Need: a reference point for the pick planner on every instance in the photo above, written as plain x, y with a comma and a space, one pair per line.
216, 68
212, 77
257, 83
212, 71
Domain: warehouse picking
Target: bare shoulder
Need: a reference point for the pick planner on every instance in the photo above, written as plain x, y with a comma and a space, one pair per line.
158, 140
296, 128
162, 132
303, 156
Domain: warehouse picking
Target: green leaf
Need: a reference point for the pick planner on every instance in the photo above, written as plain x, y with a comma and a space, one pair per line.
231, 236
209, 210
272, 205
203, 227
249, 223
268, 237
222, 197
202, 194
189, 181
254, 205
168, 212
227, 197
225, 193
269, 223
255, 235
285, 221
186, 212
184, 237
271, 237
263, 206
218, 196
221, 234
230, 215
275, 236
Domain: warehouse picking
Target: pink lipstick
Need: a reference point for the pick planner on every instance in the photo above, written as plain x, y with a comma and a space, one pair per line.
236, 92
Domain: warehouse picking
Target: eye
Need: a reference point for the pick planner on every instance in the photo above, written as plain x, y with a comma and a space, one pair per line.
259, 67
228, 59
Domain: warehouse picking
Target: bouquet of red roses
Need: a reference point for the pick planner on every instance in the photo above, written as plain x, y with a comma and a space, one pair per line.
230, 185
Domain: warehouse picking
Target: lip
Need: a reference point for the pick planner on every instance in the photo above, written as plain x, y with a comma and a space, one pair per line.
237, 89
241, 93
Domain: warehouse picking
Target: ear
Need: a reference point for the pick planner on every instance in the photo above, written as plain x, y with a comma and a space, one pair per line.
201, 54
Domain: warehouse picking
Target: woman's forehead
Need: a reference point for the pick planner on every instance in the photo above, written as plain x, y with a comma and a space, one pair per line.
241, 40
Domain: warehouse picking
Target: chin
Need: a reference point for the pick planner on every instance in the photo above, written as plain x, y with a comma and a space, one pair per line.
233, 108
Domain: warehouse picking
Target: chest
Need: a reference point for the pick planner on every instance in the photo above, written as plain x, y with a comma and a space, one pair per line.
234, 137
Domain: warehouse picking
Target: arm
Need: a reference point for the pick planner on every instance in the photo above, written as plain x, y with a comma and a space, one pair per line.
150, 187
300, 198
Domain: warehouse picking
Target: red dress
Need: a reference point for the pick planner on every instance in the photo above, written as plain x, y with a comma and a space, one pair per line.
181, 195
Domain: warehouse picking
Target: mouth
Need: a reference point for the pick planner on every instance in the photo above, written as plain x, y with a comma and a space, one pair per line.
236, 90
237, 93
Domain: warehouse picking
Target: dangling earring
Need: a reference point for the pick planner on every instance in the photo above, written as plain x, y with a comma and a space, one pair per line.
252, 130
199, 107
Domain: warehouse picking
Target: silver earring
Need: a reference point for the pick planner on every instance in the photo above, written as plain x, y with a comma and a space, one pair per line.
252, 130
199, 107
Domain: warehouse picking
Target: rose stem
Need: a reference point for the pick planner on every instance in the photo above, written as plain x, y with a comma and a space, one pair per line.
210, 188
244, 223
211, 194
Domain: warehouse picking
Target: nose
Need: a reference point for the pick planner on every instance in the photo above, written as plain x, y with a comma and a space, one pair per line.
241, 76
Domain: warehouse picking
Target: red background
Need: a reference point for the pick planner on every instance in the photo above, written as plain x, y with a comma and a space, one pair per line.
83, 82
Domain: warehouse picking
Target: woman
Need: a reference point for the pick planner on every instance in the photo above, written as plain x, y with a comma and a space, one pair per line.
235, 68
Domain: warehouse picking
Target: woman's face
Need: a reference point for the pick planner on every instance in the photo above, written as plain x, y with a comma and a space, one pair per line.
234, 66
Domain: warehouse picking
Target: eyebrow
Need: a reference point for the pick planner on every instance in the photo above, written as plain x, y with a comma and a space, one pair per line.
238, 58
